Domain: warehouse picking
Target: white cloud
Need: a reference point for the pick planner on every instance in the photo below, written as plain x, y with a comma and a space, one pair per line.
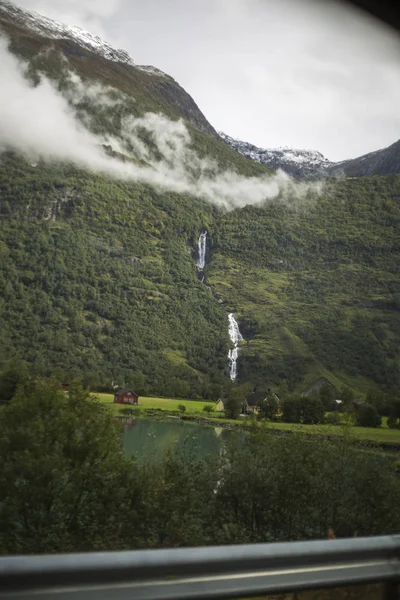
40, 122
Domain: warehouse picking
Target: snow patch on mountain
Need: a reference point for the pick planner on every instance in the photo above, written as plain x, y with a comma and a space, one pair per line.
55, 30
295, 162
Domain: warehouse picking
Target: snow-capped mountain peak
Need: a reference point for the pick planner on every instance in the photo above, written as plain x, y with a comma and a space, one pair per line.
55, 30
295, 162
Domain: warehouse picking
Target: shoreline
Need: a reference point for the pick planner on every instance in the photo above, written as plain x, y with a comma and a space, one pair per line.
160, 415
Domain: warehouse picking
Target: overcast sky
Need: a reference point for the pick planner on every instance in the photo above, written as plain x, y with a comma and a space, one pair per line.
299, 73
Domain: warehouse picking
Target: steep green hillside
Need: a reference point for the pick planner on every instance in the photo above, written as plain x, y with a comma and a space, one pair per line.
97, 278
317, 291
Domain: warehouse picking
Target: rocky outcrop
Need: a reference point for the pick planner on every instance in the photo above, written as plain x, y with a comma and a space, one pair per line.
296, 163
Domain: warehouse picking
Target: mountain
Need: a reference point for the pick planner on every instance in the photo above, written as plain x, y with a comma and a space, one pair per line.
32, 35
312, 164
380, 162
296, 163
98, 274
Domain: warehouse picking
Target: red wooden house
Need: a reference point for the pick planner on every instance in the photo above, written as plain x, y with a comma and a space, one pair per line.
126, 397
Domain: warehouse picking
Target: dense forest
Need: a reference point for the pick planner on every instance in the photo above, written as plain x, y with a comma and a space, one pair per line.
316, 287
98, 278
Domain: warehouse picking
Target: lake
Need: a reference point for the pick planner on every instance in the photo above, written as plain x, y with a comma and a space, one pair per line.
145, 437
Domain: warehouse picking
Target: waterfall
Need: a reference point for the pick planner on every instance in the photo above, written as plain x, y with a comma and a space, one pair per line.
202, 247
233, 353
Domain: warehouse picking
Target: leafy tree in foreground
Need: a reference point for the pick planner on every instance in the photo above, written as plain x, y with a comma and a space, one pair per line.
66, 485
62, 471
286, 488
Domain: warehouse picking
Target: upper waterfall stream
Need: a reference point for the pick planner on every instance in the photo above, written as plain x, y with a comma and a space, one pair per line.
202, 249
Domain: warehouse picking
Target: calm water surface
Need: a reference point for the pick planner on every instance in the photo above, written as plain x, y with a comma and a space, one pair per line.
152, 438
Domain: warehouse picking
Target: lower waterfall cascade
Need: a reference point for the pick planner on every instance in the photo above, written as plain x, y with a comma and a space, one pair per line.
233, 354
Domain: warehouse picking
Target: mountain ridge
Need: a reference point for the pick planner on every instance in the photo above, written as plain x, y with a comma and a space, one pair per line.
295, 162
57, 30
301, 163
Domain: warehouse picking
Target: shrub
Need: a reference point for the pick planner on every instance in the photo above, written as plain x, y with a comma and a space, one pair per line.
367, 416
269, 407
182, 408
309, 410
393, 422
332, 418
233, 407
291, 410
312, 410
208, 408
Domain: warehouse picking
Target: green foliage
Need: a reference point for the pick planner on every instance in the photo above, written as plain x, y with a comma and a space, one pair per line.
66, 486
106, 287
312, 410
234, 402
291, 410
287, 488
62, 470
333, 418
208, 408
301, 409
376, 398
346, 395
368, 416
314, 286
15, 372
96, 275
181, 408
269, 407
394, 407
393, 422
327, 397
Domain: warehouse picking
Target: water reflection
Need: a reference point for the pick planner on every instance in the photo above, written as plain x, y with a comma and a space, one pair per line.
127, 422
153, 438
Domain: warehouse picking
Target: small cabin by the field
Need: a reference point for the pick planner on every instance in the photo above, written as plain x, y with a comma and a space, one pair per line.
220, 404
252, 403
126, 397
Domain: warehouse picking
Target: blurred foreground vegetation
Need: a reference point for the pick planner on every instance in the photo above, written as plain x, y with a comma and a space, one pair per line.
67, 486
